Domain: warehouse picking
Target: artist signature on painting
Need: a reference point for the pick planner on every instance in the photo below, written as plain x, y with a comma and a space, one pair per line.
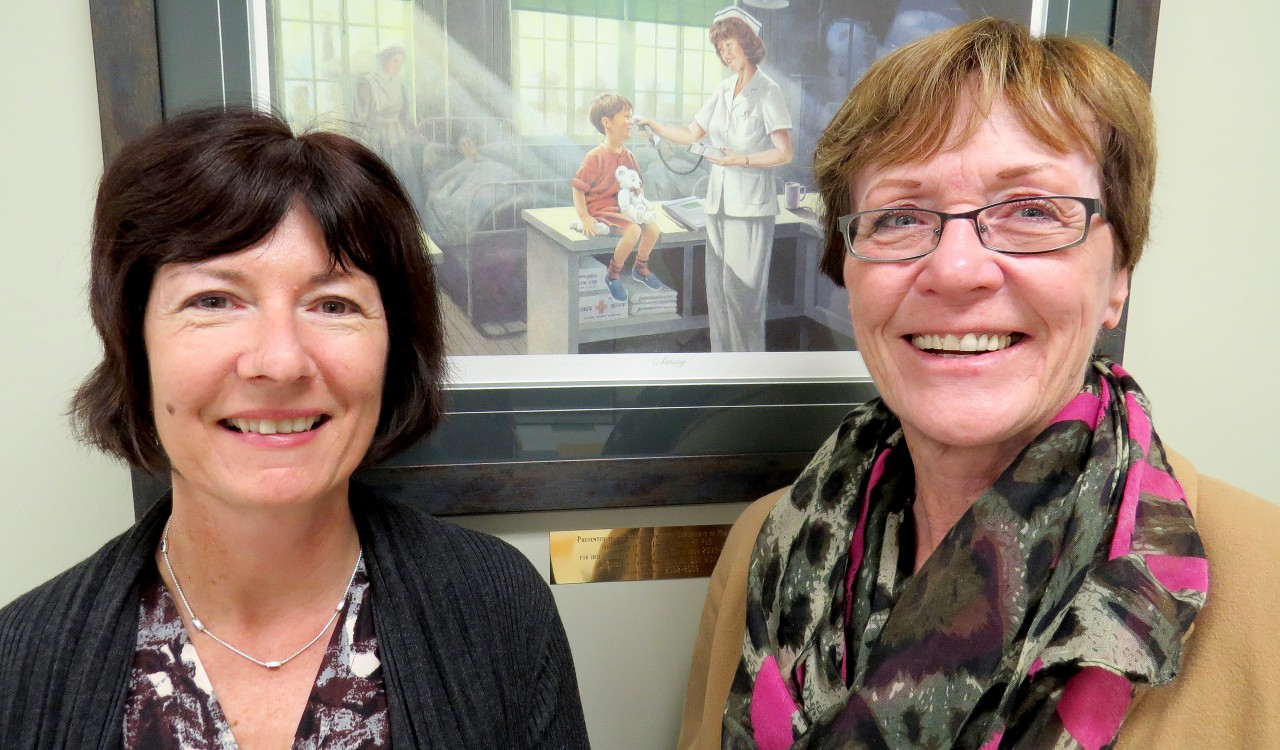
669, 361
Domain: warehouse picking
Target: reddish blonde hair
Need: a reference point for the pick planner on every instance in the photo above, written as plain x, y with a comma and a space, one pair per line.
736, 28
1069, 93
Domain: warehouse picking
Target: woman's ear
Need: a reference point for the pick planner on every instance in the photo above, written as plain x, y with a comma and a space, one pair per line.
1115, 303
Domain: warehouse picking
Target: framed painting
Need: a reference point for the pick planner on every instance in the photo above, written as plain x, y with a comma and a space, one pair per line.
591, 366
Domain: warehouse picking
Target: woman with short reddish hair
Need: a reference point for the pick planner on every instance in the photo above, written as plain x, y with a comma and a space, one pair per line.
999, 551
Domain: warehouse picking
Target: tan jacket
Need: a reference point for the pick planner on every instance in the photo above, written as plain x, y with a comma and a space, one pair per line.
1226, 696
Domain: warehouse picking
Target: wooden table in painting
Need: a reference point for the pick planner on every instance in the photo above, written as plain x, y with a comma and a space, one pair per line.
554, 250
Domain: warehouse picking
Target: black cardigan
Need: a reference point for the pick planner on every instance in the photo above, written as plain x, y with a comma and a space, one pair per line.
472, 648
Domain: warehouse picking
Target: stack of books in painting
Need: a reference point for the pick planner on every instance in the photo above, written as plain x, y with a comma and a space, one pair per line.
595, 303
645, 301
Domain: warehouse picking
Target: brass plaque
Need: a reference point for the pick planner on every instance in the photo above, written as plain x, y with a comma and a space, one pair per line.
649, 553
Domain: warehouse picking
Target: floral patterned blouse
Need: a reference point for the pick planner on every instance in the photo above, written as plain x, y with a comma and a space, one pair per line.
172, 705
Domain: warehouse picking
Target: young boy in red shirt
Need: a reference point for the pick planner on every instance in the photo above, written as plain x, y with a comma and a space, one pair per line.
595, 194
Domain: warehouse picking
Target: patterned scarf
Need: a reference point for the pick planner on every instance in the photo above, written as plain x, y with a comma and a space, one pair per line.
1072, 580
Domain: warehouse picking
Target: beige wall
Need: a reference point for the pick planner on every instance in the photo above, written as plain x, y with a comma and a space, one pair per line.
1201, 338
1206, 298
59, 501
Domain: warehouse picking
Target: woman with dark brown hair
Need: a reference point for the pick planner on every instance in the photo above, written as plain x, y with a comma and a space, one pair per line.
998, 552
270, 323
749, 129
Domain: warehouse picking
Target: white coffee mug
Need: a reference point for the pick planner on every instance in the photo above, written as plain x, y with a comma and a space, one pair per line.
793, 193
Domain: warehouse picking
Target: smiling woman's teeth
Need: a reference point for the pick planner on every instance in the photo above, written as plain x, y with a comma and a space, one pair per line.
274, 426
970, 342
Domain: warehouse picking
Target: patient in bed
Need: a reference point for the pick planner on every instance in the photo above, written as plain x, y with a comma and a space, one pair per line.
449, 180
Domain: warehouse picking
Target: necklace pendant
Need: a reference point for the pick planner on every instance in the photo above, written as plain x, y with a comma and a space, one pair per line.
273, 664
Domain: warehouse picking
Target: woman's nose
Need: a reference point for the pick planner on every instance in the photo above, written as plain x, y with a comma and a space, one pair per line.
961, 265
277, 350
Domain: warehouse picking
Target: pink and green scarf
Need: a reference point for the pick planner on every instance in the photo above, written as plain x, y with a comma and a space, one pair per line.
1073, 580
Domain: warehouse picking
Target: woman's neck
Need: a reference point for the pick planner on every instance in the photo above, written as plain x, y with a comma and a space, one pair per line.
949, 480
251, 566
744, 76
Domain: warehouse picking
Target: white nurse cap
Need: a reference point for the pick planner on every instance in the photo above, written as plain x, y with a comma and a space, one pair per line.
735, 12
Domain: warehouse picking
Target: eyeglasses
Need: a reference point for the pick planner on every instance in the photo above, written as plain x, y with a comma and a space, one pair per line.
1022, 226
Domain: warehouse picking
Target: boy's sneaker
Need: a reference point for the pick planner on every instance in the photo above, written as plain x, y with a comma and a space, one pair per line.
652, 281
616, 288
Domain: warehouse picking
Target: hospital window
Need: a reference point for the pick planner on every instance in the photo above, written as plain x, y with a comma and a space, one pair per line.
655, 52
323, 46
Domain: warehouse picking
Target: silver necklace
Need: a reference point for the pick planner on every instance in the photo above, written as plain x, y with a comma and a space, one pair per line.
198, 625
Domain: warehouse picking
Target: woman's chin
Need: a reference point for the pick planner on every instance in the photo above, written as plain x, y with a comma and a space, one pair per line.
267, 489
992, 419
972, 400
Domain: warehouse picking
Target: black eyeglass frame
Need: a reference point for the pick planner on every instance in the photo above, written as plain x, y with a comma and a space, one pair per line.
1093, 207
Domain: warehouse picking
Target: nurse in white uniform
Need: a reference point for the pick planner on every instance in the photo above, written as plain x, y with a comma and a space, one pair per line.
747, 121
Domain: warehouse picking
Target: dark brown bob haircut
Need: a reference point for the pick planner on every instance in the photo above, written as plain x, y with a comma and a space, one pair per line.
736, 28
1068, 93
213, 182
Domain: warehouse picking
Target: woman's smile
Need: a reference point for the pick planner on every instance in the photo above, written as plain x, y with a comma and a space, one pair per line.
970, 343
285, 426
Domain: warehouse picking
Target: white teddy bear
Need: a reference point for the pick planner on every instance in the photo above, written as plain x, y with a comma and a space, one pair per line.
631, 200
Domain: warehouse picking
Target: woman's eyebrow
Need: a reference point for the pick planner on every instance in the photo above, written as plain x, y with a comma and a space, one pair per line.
895, 182
202, 269
333, 274
891, 184
1013, 173
239, 277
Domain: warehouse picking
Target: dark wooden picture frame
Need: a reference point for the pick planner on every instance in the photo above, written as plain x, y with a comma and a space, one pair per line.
671, 444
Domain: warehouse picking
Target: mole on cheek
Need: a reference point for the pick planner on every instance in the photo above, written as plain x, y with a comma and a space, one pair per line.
169, 408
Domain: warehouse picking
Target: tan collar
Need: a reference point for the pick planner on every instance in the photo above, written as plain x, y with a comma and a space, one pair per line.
1187, 476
